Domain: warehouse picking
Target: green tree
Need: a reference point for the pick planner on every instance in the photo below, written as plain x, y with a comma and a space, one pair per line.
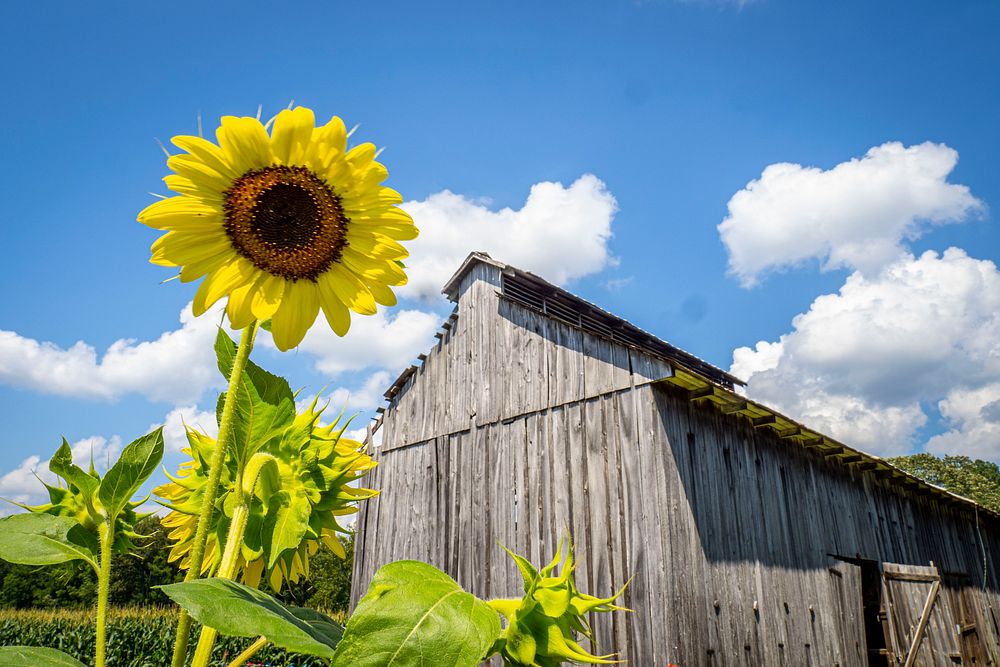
134, 575
328, 585
331, 578
71, 585
975, 479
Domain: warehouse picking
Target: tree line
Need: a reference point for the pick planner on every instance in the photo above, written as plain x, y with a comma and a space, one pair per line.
134, 577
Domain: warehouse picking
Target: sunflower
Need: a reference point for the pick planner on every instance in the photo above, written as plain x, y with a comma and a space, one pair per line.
285, 224
542, 626
317, 473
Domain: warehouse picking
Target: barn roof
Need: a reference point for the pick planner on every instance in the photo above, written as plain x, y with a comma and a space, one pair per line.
698, 380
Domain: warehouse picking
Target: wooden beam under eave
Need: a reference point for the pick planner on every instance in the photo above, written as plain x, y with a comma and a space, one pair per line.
764, 420
833, 451
701, 392
867, 465
813, 442
789, 432
853, 458
730, 408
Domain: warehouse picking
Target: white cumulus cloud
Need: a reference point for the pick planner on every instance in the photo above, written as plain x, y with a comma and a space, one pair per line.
22, 484
856, 215
388, 341
174, 432
176, 368
860, 364
561, 233
973, 416
366, 397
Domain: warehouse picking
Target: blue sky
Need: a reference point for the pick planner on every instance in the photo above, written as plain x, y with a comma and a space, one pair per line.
672, 107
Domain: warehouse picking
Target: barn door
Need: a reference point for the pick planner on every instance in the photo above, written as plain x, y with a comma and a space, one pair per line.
969, 623
848, 612
920, 618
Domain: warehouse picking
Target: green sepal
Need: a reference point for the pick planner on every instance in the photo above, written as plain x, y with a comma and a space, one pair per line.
62, 464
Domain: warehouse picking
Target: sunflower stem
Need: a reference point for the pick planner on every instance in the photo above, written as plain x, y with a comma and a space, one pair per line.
212, 486
227, 569
106, 537
249, 652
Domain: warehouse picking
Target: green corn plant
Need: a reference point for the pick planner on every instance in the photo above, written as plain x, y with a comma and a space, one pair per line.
87, 518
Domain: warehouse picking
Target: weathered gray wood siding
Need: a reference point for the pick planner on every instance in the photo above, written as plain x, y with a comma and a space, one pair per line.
518, 429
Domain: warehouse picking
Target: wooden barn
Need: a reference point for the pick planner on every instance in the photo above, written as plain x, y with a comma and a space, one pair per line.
750, 539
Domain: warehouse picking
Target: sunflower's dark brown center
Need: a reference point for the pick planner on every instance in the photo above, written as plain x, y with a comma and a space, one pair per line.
286, 221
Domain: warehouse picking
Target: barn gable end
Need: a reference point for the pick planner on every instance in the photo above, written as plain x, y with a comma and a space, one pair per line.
750, 539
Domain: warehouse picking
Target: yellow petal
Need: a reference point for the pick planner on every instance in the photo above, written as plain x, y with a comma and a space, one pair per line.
252, 572
333, 544
351, 291
382, 294
333, 135
336, 313
244, 142
389, 273
200, 173
291, 134
220, 282
239, 306
361, 156
275, 578
375, 245
267, 294
182, 252
165, 213
174, 242
210, 154
186, 186
194, 270
298, 310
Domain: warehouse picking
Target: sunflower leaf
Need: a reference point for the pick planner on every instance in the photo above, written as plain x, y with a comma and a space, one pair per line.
238, 610
137, 462
412, 610
264, 406
42, 539
36, 656
272, 387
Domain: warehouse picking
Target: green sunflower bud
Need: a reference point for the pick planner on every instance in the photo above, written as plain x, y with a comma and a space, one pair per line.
542, 627
76, 496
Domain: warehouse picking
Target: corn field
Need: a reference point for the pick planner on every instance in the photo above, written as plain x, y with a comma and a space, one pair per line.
137, 637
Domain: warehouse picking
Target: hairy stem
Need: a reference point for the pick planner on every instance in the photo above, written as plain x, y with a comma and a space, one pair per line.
250, 652
227, 569
212, 486
106, 536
